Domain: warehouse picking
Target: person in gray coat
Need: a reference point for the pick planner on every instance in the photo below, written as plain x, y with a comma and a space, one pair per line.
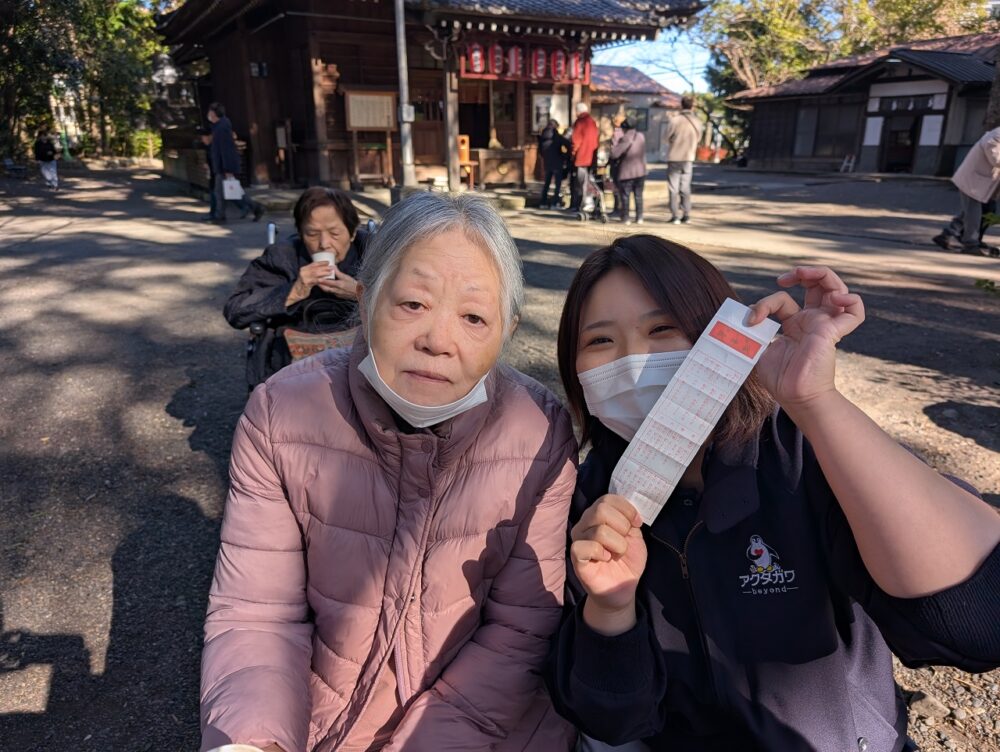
628, 158
682, 137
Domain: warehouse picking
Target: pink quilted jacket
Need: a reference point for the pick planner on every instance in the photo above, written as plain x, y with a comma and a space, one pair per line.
350, 548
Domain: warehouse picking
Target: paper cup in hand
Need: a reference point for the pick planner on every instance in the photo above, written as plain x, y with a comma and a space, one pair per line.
331, 259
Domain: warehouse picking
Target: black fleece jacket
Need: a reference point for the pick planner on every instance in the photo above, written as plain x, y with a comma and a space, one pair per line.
759, 627
262, 291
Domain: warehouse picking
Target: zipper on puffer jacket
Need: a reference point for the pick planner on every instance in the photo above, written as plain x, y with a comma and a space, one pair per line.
402, 669
682, 556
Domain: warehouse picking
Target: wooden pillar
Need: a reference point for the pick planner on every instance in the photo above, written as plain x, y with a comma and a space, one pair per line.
319, 110
256, 165
576, 98
519, 96
451, 128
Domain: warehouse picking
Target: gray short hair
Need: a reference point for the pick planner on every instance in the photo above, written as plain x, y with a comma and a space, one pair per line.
424, 215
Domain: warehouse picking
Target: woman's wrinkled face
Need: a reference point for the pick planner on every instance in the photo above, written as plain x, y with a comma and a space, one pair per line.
437, 327
621, 318
324, 230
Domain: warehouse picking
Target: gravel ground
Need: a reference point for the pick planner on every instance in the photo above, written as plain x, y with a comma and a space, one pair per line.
122, 385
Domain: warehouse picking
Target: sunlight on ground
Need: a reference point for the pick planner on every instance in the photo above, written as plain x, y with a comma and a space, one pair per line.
37, 678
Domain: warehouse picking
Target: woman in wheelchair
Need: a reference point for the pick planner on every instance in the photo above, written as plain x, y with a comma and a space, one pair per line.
287, 287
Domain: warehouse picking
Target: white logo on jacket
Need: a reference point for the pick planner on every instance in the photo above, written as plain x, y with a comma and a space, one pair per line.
766, 573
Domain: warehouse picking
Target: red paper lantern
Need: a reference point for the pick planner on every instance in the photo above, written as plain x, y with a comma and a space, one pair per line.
558, 65
539, 63
576, 70
496, 59
515, 62
476, 58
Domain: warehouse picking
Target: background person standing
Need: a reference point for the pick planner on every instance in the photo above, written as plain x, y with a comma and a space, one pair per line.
204, 141
45, 153
551, 146
584, 148
628, 155
225, 163
682, 137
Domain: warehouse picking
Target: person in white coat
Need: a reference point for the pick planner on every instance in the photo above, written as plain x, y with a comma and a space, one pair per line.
977, 180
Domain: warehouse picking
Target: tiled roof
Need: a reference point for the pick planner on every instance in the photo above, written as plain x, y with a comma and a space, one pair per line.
959, 67
985, 46
964, 59
195, 20
800, 87
624, 78
617, 12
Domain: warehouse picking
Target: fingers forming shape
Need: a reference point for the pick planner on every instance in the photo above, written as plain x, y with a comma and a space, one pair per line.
781, 305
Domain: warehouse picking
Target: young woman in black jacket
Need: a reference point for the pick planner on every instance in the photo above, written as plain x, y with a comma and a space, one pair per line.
285, 287
802, 546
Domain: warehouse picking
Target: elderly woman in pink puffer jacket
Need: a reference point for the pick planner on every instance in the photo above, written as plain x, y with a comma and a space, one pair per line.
393, 547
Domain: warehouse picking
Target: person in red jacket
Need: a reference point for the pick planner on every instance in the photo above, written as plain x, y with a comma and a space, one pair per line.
584, 148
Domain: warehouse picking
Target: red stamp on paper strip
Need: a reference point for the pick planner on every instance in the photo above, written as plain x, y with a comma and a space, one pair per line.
740, 342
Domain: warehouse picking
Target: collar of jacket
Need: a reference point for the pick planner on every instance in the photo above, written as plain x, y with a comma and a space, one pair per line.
453, 436
730, 494
300, 250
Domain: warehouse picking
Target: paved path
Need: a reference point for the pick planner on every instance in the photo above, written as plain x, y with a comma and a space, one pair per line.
122, 384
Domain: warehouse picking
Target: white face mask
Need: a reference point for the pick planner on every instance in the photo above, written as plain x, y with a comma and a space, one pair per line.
420, 416
622, 393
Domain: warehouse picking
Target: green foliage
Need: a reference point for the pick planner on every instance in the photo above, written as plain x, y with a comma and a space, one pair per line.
871, 24
988, 285
92, 56
765, 42
145, 143
36, 45
723, 83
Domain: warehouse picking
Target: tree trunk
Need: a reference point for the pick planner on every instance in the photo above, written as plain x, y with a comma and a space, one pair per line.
993, 110
103, 124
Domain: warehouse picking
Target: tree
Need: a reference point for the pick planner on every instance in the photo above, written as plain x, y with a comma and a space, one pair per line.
35, 47
95, 53
993, 108
765, 42
118, 40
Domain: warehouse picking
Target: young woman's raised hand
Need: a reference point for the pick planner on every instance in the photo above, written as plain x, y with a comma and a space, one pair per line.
609, 556
799, 365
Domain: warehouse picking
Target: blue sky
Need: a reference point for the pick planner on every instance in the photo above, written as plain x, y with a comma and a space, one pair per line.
665, 60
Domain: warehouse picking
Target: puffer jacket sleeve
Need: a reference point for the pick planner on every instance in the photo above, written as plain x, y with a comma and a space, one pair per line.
263, 288
255, 665
493, 680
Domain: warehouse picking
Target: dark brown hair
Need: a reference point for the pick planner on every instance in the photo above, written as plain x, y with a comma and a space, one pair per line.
313, 198
684, 285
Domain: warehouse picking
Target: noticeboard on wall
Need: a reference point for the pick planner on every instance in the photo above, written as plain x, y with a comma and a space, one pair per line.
370, 110
549, 106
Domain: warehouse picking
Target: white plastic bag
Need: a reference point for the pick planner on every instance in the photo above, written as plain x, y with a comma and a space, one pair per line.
231, 189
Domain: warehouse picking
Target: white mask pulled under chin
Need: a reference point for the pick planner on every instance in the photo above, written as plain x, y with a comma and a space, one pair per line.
622, 393
420, 416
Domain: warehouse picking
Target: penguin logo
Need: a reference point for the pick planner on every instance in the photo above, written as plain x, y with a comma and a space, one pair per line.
762, 557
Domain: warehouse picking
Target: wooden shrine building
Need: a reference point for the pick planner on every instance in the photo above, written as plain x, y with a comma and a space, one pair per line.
311, 86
